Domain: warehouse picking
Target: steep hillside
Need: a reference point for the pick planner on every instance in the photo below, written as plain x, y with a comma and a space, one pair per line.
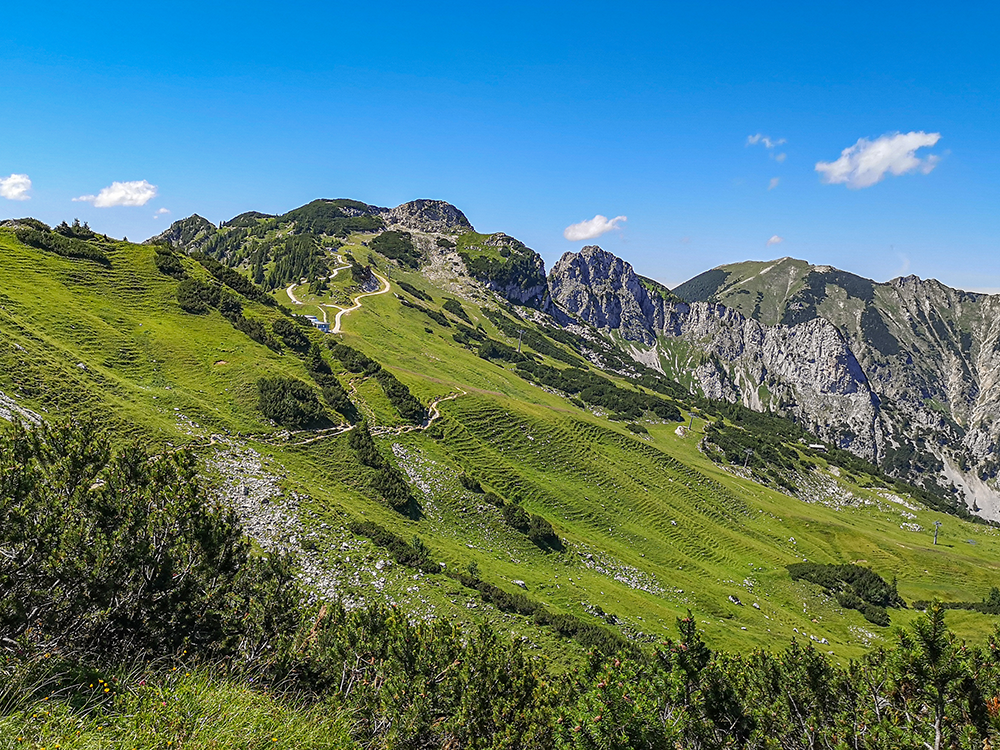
928, 351
805, 371
562, 500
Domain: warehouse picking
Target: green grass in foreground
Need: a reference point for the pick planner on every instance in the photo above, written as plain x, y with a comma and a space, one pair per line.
145, 709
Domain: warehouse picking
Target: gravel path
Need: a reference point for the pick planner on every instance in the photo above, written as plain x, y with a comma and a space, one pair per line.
357, 302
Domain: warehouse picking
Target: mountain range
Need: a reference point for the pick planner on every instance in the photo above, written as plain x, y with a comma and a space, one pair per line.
903, 374
574, 455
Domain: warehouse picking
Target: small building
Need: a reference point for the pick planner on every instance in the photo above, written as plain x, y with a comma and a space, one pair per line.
322, 325
817, 447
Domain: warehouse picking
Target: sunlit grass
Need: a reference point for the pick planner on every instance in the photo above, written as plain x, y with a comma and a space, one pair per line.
177, 707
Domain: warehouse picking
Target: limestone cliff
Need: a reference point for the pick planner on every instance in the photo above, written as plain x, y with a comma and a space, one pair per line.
806, 371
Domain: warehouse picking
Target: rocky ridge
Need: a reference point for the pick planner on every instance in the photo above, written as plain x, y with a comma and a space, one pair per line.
905, 373
805, 371
429, 216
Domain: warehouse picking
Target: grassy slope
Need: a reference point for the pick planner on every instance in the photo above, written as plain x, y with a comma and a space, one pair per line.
588, 476
164, 708
611, 495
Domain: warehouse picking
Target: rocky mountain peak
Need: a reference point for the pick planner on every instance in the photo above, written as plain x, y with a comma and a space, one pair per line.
604, 290
425, 215
188, 234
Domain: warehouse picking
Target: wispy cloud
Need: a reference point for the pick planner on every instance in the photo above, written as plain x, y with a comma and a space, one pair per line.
775, 240
588, 230
769, 143
867, 162
780, 157
160, 212
136, 193
15, 187
773, 183
904, 264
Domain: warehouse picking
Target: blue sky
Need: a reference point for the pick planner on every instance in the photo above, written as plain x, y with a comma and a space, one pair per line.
530, 120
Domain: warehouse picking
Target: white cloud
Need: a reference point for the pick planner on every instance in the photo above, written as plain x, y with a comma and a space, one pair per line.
780, 157
15, 187
867, 162
773, 183
160, 212
588, 230
761, 138
775, 240
136, 193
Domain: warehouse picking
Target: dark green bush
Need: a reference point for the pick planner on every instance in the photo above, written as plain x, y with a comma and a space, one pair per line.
470, 483
234, 280
197, 297
67, 246
352, 359
389, 481
289, 402
541, 533
399, 395
854, 587
397, 246
412, 290
516, 517
494, 350
121, 553
290, 335
405, 554
455, 308
168, 263
434, 315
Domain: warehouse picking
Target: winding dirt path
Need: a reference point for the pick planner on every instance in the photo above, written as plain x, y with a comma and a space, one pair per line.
433, 413
342, 311
290, 291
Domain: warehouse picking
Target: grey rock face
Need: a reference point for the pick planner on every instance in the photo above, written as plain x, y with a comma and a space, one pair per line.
931, 355
904, 373
427, 216
518, 274
603, 290
188, 234
805, 371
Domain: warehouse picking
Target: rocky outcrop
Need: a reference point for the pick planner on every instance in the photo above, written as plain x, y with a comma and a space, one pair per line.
806, 371
508, 267
603, 290
905, 372
427, 216
931, 355
189, 234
